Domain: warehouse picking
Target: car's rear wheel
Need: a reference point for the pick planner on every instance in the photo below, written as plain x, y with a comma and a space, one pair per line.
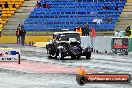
49, 56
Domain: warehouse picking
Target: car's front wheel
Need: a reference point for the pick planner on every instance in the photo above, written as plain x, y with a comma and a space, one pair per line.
60, 55
88, 55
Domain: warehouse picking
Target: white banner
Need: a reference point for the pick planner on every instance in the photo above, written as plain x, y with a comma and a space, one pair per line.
9, 54
100, 43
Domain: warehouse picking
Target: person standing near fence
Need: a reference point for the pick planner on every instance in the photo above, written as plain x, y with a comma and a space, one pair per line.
18, 34
23, 33
79, 29
86, 29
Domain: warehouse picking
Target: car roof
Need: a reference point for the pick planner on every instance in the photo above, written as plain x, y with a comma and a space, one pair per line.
56, 33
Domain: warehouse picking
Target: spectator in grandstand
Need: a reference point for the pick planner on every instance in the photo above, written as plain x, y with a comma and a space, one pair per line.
23, 33
117, 7
38, 4
1, 26
108, 20
45, 5
0, 13
13, 6
97, 20
105, 7
18, 33
0, 6
6, 5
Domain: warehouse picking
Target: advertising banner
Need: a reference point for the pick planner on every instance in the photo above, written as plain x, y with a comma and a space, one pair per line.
120, 45
8, 54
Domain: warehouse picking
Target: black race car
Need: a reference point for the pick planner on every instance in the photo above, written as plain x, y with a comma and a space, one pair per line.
67, 44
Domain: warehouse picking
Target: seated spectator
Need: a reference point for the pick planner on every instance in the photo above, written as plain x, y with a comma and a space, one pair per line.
108, 20
105, 8
0, 13
1, 26
6, 5
97, 20
39, 4
117, 7
0, 5
45, 5
13, 6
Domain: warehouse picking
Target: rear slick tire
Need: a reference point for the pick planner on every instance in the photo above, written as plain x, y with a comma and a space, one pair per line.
50, 57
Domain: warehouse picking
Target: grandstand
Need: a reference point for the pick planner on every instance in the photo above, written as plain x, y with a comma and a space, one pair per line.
20, 14
68, 14
8, 12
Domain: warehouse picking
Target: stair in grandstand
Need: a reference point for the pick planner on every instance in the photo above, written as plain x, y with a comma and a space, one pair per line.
125, 18
20, 14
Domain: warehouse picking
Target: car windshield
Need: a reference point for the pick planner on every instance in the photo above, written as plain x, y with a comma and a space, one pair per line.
67, 36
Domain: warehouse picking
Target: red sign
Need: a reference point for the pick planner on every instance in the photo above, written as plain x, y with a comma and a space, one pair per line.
120, 43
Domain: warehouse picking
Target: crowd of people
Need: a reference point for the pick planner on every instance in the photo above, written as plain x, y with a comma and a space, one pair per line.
6, 5
106, 7
20, 33
84, 31
45, 5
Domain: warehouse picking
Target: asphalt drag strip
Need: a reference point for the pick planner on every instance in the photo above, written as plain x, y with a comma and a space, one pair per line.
37, 71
